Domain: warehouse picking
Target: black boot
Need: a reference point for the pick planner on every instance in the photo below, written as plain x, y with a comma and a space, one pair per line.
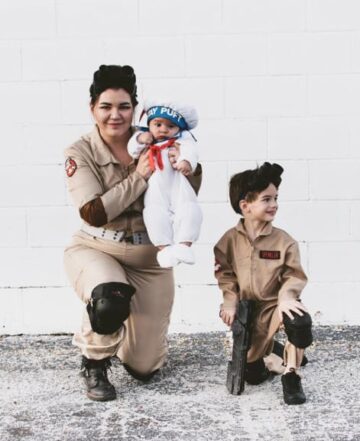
141, 377
278, 349
292, 388
95, 377
256, 372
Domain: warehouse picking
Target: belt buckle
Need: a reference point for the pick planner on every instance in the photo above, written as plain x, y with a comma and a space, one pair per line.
137, 238
128, 239
118, 235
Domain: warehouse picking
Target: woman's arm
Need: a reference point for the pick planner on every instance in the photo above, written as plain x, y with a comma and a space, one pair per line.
97, 207
195, 178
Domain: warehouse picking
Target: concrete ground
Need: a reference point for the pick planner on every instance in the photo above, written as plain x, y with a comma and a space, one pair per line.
42, 395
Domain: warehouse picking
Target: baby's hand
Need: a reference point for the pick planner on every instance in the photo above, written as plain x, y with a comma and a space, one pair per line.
288, 306
184, 167
228, 315
145, 138
174, 154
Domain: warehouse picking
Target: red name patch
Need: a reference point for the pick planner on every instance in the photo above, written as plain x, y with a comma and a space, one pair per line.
269, 254
70, 166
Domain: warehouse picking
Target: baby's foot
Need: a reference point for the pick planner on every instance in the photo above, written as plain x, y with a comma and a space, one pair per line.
184, 254
166, 257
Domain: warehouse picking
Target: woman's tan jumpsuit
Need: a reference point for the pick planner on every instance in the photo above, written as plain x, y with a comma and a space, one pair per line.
94, 173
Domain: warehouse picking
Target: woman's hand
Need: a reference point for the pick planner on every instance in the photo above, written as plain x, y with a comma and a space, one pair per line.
174, 153
228, 315
143, 165
288, 306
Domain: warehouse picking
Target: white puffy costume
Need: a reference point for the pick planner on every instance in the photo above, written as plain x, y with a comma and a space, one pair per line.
171, 213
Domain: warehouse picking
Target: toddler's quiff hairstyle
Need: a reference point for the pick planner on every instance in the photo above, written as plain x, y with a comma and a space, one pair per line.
249, 183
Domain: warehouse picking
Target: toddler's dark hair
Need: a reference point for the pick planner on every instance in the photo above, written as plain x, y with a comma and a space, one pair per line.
247, 184
113, 77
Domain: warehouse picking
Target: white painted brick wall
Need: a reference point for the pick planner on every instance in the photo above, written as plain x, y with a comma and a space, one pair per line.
262, 96
272, 80
226, 55
310, 138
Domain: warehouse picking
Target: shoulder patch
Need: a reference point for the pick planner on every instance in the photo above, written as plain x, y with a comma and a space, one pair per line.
70, 166
217, 267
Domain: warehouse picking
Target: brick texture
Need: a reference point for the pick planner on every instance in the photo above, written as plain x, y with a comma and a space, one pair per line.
272, 80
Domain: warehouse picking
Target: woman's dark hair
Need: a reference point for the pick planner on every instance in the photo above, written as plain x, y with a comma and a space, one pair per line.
249, 183
113, 77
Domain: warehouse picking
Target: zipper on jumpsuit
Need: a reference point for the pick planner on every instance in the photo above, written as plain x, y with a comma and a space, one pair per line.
127, 227
251, 268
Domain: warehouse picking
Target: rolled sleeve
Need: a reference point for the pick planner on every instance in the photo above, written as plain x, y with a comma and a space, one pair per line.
85, 184
195, 178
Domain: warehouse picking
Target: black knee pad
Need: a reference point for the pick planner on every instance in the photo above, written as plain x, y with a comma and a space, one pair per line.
298, 330
109, 306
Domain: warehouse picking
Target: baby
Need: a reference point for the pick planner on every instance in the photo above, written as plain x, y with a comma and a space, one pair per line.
171, 213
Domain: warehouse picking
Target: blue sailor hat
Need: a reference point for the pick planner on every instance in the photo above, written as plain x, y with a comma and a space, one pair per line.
183, 116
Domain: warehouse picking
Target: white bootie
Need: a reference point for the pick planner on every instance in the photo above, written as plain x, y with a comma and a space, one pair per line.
184, 254
166, 257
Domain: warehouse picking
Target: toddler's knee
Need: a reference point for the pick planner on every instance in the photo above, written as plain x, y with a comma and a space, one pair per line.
299, 330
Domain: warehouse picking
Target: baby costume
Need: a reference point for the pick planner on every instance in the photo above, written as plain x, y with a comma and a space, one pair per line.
171, 213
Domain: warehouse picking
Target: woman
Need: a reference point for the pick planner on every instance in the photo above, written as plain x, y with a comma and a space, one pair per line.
111, 263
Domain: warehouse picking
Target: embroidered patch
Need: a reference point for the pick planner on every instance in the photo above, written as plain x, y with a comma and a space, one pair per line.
269, 254
217, 267
70, 166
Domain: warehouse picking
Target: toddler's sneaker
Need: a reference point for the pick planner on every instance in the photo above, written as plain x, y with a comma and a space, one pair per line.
292, 388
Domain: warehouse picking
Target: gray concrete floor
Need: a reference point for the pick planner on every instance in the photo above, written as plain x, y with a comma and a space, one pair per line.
42, 395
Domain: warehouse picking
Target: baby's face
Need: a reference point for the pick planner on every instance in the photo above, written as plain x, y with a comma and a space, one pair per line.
162, 128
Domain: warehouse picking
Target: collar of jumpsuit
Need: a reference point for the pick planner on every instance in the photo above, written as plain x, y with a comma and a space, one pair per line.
101, 152
265, 232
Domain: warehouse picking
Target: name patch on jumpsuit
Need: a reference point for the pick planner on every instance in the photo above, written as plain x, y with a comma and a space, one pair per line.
264, 254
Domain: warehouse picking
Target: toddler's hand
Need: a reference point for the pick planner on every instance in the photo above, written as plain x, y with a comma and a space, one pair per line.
184, 167
228, 315
145, 138
288, 306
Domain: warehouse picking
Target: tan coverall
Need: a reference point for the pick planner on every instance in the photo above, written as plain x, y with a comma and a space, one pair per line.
93, 172
267, 270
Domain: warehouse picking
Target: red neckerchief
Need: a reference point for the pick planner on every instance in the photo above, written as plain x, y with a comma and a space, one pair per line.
155, 153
